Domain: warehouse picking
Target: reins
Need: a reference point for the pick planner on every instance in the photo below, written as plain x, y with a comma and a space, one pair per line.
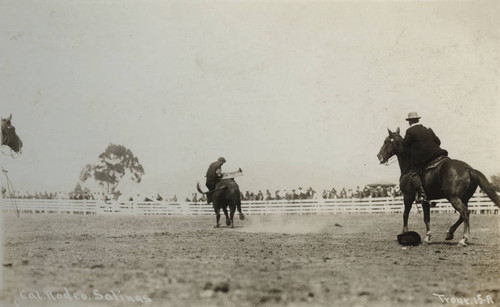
12, 154
391, 160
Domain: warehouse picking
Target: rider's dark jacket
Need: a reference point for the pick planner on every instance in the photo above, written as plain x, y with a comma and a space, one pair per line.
422, 146
212, 176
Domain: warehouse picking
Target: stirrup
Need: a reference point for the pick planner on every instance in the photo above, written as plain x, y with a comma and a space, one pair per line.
419, 199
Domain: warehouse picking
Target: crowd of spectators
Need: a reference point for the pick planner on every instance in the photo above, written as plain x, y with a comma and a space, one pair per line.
366, 192
310, 193
34, 195
294, 194
84, 195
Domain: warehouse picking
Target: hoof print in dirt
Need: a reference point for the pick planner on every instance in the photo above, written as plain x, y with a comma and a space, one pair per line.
222, 287
97, 266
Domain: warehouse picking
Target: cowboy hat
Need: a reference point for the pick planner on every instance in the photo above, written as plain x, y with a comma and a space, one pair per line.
409, 238
413, 115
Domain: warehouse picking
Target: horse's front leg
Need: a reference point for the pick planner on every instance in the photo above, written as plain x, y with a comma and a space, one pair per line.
408, 201
427, 220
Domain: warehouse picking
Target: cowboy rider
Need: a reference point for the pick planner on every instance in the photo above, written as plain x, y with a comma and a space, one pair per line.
214, 175
422, 145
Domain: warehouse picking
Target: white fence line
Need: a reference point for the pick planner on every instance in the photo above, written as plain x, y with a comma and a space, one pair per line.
479, 204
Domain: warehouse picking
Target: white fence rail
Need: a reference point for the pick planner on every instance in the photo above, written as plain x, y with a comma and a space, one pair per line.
479, 204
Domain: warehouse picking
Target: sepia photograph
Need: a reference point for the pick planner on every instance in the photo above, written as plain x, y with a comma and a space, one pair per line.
250, 153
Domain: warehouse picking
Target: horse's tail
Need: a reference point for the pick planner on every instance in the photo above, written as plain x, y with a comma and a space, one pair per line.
486, 186
199, 188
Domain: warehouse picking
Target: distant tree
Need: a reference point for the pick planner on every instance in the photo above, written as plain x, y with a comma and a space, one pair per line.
78, 189
80, 192
115, 163
495, 180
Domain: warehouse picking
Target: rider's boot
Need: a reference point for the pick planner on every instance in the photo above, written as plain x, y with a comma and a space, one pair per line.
417, 184
422, 197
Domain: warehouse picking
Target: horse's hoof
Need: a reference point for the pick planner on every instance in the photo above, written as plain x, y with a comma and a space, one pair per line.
427, 240
216, 226
462, 242
449, 236
242, 217
228, 222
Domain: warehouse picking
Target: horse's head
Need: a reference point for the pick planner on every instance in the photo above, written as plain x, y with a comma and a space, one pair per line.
392, 146
9, 136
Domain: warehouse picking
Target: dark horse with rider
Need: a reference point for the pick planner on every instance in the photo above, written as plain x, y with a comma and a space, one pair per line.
427, 170
223, 192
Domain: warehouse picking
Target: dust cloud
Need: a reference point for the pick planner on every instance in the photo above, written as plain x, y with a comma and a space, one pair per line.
287, 224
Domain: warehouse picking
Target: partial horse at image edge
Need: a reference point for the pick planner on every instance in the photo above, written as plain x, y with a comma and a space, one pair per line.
9, 136
452, 179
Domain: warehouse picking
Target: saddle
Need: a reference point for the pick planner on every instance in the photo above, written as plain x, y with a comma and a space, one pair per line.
435, 163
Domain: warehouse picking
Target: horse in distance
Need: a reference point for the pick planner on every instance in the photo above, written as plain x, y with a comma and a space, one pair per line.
226, 194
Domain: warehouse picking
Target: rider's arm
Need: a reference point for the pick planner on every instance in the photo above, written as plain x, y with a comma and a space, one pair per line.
408, 139
218, 172
435, 138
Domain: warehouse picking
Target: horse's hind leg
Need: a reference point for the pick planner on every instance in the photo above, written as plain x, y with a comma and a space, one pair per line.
217, 216
228, 221
464, 215
427, 220
231, 217
451, 232
238, 207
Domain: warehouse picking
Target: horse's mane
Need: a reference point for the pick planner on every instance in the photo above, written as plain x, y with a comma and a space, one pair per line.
404, 154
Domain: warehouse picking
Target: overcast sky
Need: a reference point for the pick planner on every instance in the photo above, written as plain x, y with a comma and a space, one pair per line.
296, 93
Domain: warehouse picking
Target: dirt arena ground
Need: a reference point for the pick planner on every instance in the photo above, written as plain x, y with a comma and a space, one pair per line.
328, 260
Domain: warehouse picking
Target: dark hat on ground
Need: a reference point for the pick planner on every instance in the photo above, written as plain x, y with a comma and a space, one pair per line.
409, 238
221, 159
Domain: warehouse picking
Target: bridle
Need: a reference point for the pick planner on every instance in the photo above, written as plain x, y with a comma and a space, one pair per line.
396, 148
